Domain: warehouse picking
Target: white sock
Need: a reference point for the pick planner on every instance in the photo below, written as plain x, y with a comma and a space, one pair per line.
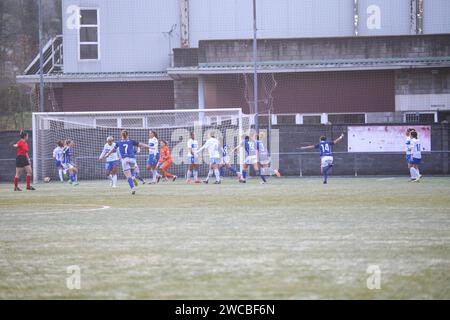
418, 172
217, 174
413, 172
155, 175
210, 172
188, 175
60, 172
114, 180
195, 175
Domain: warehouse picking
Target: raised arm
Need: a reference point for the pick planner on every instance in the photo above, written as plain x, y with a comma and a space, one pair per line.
237, 147
308, 147
103, 156
203, 147
143, 145
339, 139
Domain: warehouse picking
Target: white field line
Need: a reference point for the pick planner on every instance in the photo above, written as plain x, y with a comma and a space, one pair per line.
56, 212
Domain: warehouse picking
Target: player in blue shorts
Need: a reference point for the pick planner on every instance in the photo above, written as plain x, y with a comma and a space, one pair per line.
112, 162
57, 156
126, 149
136, 172
415, 149
326, 154
68, 163
212, 145
251, 158
263, 158
408, 151
225, 161
153, 154
193, 161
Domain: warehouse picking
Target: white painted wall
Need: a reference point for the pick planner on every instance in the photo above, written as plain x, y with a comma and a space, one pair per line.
132, 31
422, 102
131, 35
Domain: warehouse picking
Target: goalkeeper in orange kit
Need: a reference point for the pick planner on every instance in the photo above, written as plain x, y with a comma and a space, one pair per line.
165, 161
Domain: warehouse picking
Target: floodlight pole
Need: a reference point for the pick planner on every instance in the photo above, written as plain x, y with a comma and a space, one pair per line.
255, 69
41, 61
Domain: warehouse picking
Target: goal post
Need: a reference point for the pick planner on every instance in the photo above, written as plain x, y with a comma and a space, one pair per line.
89, 131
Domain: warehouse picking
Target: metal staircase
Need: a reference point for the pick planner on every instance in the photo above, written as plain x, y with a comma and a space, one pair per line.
53, 58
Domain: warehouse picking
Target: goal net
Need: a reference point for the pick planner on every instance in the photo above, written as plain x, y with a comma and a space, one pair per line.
89, 131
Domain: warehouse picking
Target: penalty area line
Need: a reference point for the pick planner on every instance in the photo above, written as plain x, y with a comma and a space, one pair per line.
58, 212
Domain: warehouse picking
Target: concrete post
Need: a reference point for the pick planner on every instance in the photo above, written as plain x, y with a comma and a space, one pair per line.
184, 6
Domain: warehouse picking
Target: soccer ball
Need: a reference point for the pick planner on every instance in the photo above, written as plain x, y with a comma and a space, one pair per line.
47, 179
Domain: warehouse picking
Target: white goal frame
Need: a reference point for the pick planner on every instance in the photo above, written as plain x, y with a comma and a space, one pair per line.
203, 115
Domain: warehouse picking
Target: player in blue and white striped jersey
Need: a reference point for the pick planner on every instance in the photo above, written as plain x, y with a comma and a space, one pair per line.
112, 161
57, 156
192, 159
68, 162
415, 149
153, 154
408, 152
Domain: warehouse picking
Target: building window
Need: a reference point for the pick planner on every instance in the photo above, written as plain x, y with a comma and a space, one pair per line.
89, 35
351, 118
313, 119
419, 117
286, 119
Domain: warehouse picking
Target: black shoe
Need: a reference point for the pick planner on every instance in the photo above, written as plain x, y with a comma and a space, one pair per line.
133, 192
31, 188
17, 189
205, 181
217, 182
158, 179
174, 178
324, 182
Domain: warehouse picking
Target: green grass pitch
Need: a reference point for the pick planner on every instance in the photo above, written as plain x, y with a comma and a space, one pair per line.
293, 238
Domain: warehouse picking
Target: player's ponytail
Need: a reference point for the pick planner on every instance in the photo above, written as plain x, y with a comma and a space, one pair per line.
23, 134
154, 133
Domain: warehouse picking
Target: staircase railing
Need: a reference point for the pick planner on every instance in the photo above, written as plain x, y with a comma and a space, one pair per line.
53, 58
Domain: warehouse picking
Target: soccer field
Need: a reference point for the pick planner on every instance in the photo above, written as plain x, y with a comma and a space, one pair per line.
290, 239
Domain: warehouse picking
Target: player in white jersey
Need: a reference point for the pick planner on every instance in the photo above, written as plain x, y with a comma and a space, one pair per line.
416, 156
112, 161
263, 157
212, 145
408, 151
192, 159
153, 154
57, 156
